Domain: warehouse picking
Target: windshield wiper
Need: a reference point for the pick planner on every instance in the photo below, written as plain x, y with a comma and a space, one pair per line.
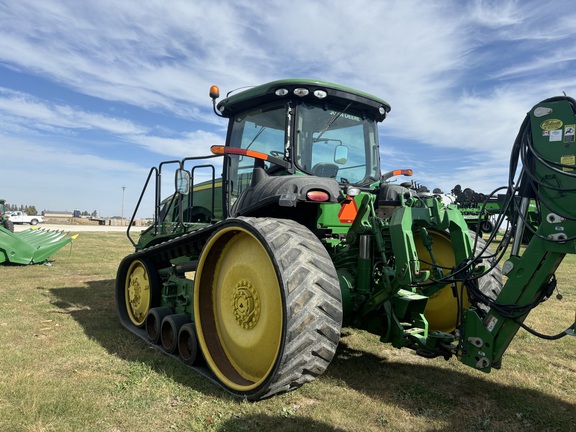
332, 120
262, 129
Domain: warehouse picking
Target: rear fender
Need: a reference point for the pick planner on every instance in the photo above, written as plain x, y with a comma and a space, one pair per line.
281, 191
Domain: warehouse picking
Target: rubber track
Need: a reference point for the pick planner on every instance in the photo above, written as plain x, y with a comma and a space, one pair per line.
159, 256
312, 295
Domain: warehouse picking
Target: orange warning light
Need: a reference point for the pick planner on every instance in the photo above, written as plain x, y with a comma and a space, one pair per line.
214, 92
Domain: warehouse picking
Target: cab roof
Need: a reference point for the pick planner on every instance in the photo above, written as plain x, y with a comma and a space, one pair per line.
303, 89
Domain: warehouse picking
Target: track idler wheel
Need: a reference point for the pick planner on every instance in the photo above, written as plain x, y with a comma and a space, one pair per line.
137, 291
267, 306
169, 331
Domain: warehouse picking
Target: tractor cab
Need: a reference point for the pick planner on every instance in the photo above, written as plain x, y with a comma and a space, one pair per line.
291, 145
289, 138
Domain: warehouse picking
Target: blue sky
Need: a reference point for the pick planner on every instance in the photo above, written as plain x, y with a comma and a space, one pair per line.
92, 94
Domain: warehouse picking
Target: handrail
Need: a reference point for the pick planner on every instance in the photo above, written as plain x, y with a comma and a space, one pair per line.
140, 201
158, 192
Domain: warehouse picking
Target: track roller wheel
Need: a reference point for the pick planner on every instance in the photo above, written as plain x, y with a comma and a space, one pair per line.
153, 323
137, 291
188, 344
169, 331
267, 306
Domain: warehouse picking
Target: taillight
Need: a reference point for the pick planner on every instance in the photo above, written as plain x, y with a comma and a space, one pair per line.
316, 195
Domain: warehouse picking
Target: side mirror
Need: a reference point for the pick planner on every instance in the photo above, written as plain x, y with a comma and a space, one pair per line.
341, 154
182, 181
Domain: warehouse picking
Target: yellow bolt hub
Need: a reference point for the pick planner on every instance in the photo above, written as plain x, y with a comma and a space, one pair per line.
246, 304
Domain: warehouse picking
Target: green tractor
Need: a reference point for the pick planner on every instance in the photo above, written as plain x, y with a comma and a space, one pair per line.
249, 275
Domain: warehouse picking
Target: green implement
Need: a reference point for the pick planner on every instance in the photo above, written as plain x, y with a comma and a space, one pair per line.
32, 246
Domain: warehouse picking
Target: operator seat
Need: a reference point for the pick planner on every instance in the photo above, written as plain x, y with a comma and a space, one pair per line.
324, 169
197, 214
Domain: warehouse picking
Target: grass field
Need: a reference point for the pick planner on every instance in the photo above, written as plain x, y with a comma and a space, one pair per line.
68, 365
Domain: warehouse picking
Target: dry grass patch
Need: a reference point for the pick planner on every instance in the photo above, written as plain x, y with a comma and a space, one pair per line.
68, 365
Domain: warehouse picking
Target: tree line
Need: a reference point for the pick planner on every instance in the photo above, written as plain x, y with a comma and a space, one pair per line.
28, 209
31, 210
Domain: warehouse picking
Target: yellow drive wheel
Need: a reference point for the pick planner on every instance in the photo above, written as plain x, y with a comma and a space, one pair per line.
138, 292
258, 281
245, 309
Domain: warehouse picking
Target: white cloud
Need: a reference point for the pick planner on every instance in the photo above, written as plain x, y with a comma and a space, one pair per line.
38, 113
52, 178
459, 75
497, 13
195, 143
25, 113
152, 54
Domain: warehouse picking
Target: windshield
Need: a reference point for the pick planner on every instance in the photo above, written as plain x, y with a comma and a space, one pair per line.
328, 142
336, 143
261, 130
